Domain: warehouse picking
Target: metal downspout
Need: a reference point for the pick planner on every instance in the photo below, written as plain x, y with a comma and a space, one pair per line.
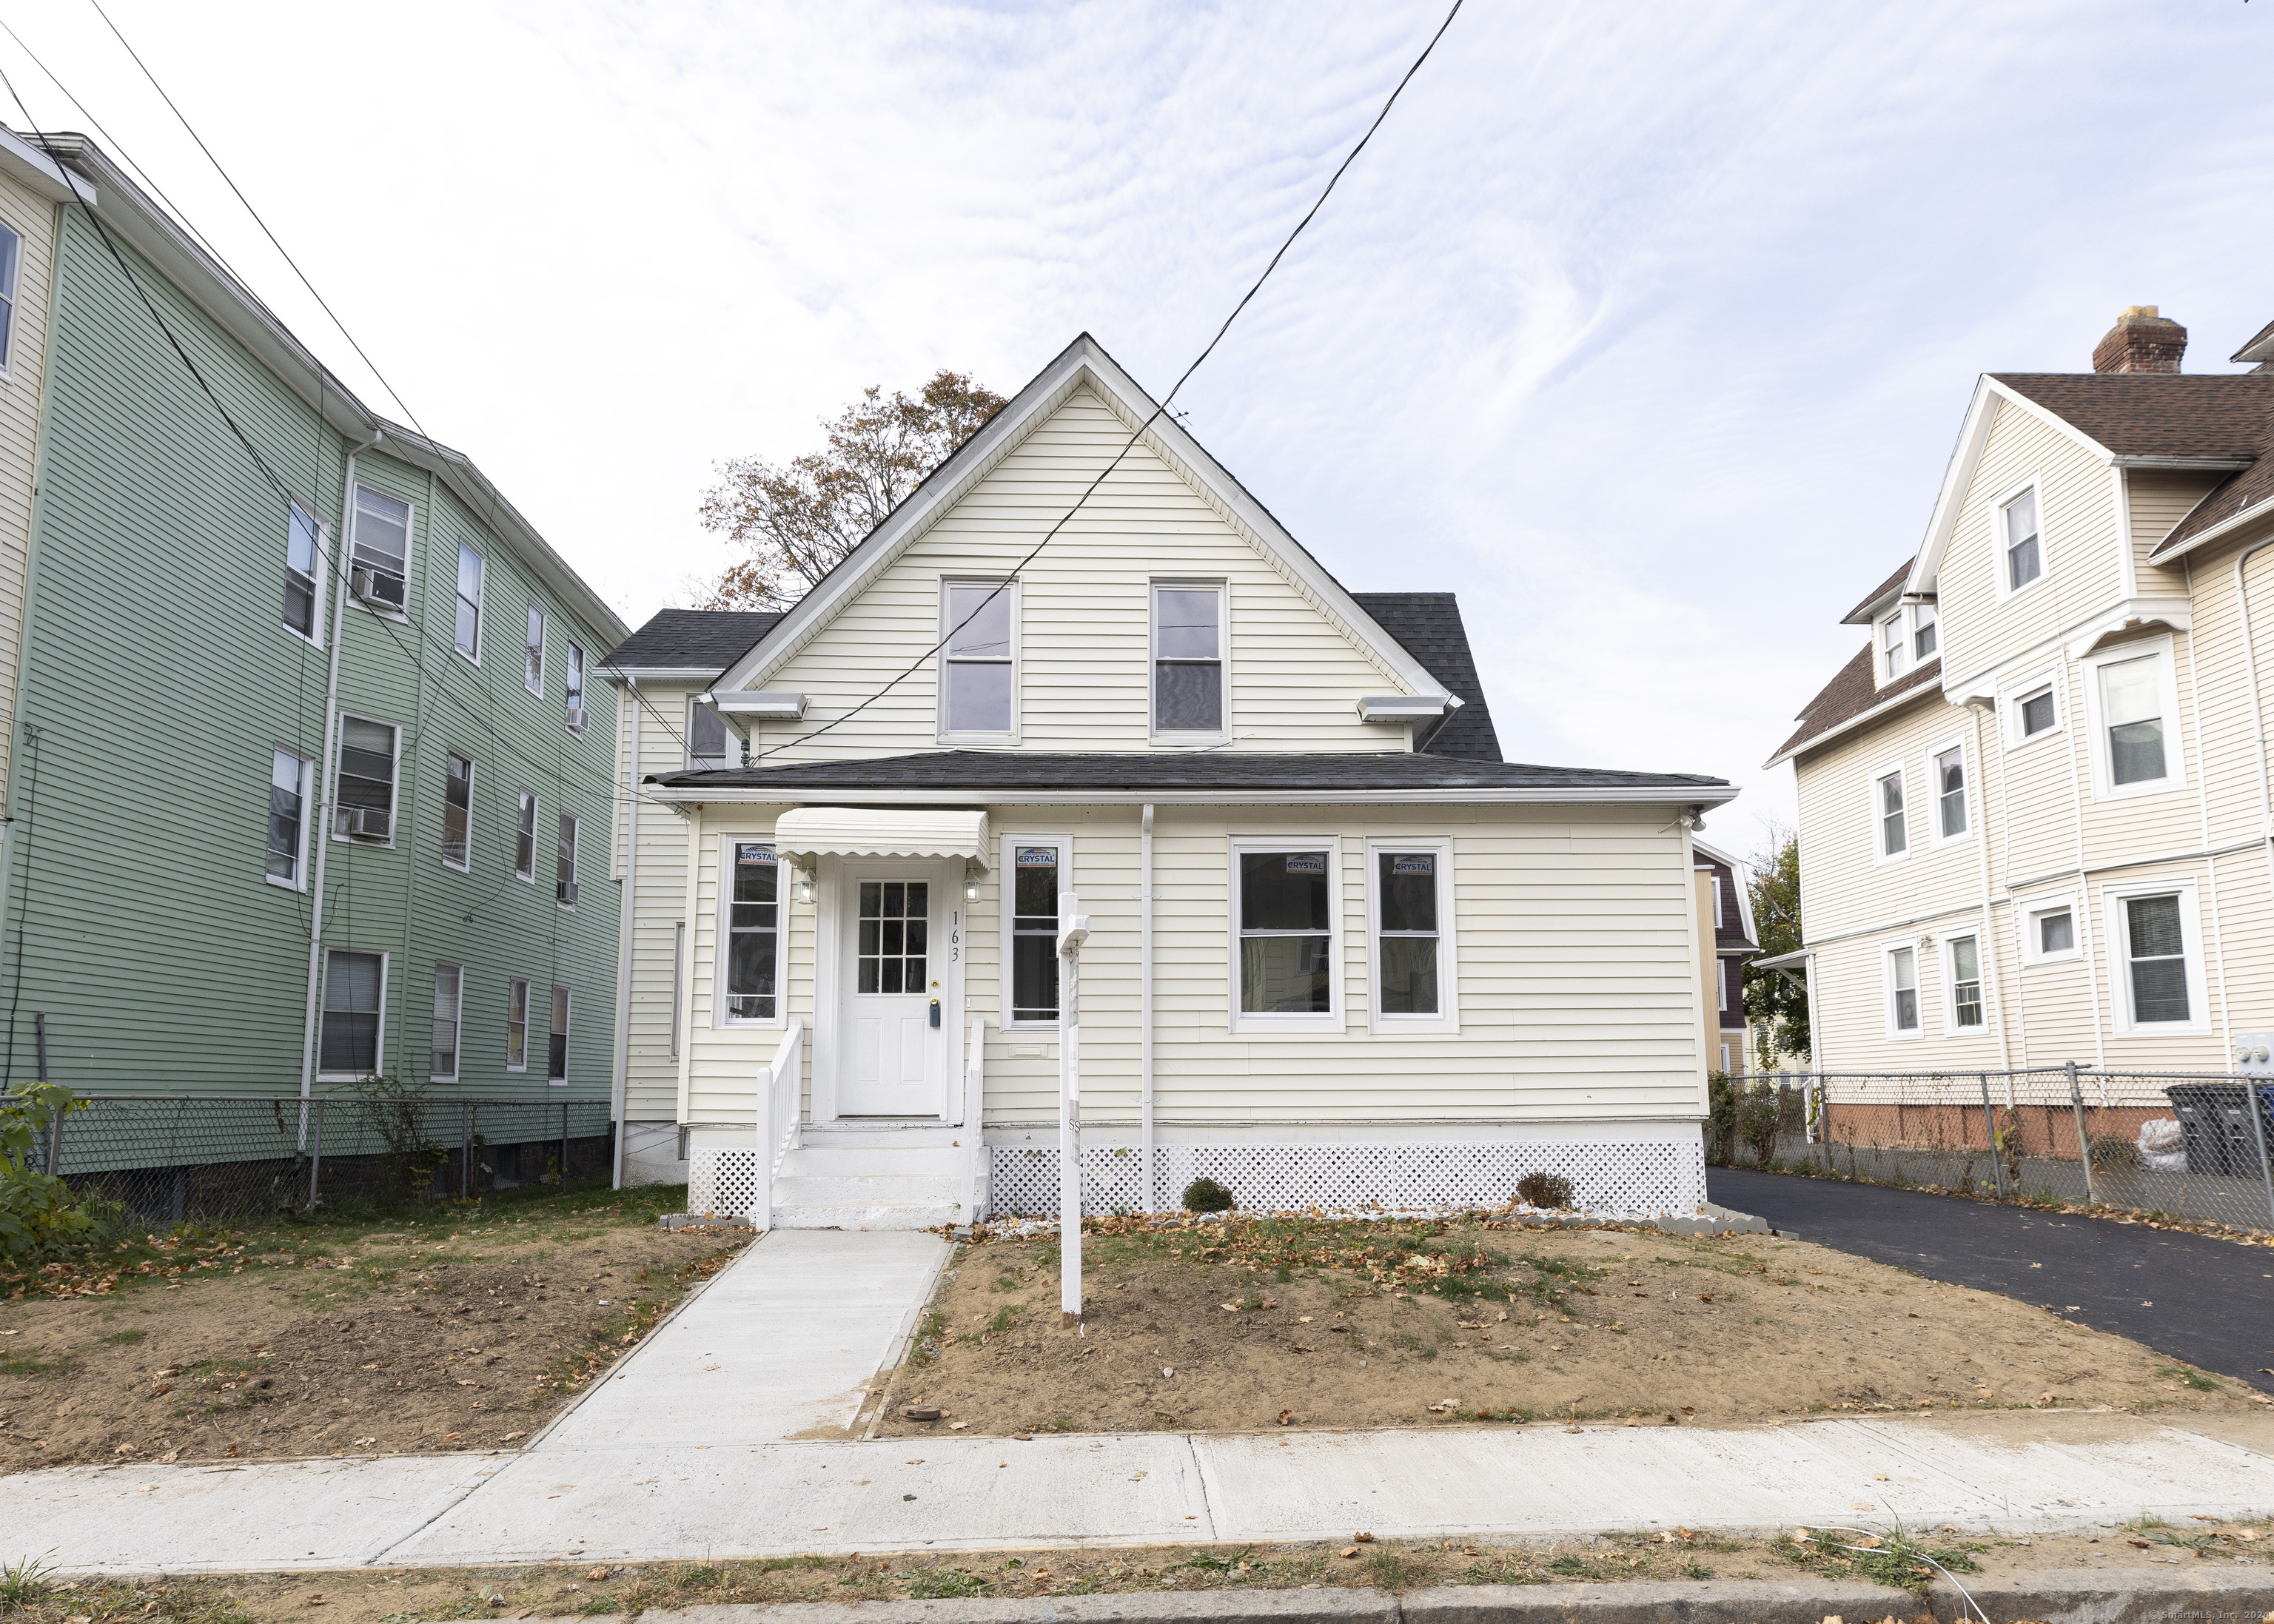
624, 937
1990, 957
319, 823
1145, 1007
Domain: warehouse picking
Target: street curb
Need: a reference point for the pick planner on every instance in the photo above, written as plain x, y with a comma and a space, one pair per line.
2118, 1595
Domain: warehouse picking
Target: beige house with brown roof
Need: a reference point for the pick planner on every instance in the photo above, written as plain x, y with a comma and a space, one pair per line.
2037, 822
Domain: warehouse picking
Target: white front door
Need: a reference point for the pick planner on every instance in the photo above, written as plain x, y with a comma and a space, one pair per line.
893, 1043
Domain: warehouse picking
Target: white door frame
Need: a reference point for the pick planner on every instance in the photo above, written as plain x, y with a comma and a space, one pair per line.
951, 951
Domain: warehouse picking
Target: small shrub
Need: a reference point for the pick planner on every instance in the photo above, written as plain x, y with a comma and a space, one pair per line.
945, 1586
1548, 1191
24, 1582
37, 1214
1205, 1195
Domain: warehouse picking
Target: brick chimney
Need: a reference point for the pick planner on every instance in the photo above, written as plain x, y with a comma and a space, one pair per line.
2140, 341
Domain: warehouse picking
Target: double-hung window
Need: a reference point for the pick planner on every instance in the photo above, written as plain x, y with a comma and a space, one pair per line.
525, 839
1926, 632
457, 811
1188, 637
288, 817
533, 672
449, 1005
1036, 867
1902, 992
1893, 823
2024, 546
468, 633
1893, 650
2132, 714
300, 572
1949, 771
1963, 968
1284, 921
1409, 886
12, 252
574, 689
363, 794
556, 1044
752, 928
706, 739
379, 560
2160, 973
355, 990
516, 1026
978, 660
564, 871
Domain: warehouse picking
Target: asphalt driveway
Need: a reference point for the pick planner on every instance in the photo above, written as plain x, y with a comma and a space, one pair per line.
2208, 1303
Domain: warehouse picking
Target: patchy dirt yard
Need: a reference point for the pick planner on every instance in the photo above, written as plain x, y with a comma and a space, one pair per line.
393, 1596
1315, 1324
460, 1329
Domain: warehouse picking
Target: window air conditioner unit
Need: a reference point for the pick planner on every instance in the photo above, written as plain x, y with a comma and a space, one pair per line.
566, 893
576, 718
372, 586
366, 822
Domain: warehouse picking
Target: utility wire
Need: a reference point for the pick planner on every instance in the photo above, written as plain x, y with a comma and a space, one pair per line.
1130, 445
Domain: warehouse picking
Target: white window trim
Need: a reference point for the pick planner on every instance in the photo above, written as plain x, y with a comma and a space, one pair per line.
10, 295
1912, 632
1720, 918
394, 788
1222, 587
2175, 757
1879, 775
536, 823
2113, 897
942, 732
526, 986
1946, 961
2009, 706
1006, 861
459, 1049
1935, 838
1902, 646
1998, 506
1258, 1024
722, 937
1887, 951
379, 1039
410, 554
308, 769
481, 608
2028, 913
543, 637
472, 768
1448, 1018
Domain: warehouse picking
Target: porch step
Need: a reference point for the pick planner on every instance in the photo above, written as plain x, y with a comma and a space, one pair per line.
828, 1159
872, 1215
852, 1189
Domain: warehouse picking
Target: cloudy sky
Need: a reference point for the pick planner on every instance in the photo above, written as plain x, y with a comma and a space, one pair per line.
1648, 328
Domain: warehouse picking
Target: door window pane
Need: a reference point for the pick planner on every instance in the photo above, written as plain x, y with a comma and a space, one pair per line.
288, 801
1966, 981
2133, 694
457, 810
450, 987
1407, 945
1285, 941
2159, 963
1034, 933
349, 1044
1903, 969
1188, 660
894, 931
752, 931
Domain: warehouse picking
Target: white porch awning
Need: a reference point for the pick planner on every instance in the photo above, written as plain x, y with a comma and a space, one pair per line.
881, 832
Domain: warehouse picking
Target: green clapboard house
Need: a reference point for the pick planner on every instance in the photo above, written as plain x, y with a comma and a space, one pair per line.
276, 648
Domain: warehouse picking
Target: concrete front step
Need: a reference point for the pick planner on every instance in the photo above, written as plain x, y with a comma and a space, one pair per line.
841, 1190
859, 1161
871, 1215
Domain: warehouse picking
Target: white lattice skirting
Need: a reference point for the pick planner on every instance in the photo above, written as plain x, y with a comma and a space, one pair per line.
1646, 1179
723, 1182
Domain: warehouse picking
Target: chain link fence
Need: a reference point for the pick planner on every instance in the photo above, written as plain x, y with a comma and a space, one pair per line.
2191, 1145
219, 1158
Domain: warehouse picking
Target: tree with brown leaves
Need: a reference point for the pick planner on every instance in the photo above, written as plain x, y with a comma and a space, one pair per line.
797, 523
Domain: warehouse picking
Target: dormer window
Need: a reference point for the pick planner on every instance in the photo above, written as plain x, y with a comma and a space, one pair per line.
1927, 636
2025, 548
1892, 648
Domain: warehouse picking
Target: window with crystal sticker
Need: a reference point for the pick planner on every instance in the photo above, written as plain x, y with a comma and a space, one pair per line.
752, 931
975, 664
894, 924
1034, 933
1286, 933
1407, 944
1188, 660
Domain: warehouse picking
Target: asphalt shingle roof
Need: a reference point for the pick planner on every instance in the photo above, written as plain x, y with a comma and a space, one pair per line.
1854, 691
2157, 414
692, 640
991, 770
1428, 624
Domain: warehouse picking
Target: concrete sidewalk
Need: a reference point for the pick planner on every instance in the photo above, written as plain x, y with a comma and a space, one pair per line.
2017, 1472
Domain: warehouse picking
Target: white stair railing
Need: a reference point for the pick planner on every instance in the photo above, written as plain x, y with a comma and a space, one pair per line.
778, 1087
975, 1133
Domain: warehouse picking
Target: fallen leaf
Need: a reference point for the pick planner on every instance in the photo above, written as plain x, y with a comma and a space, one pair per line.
1302, 1319
957, 1427
595, 1575
1878, 1476
508, 1439
466, 1382
1346, 1551
1364, 1539
2037, 1266
144, 1488
917, 1462
1286, 1417
2141, 1543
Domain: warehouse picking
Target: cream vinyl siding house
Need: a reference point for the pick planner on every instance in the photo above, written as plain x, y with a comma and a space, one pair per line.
2114, 880
1338, 951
